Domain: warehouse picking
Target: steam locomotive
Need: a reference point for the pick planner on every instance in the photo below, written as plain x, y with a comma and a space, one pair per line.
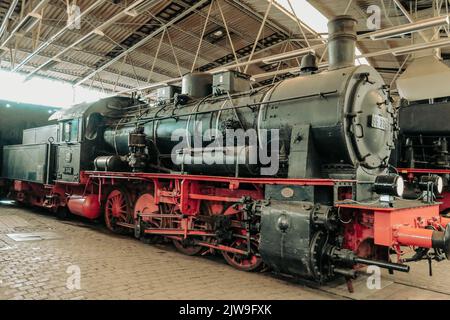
422, 151
304, 187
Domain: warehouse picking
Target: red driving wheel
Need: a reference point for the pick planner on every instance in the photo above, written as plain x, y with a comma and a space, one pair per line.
251, 262
145, 206
117, 209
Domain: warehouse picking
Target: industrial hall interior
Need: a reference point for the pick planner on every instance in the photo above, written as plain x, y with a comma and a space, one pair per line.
248, 151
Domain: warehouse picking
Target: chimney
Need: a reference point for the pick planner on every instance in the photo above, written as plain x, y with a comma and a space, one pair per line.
341, 42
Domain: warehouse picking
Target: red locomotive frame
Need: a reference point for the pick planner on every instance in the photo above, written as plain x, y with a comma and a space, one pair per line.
177, 207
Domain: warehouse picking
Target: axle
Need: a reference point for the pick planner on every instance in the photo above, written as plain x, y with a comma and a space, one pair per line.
349, 258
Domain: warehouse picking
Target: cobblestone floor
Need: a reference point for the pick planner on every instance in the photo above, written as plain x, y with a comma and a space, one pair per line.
120, 267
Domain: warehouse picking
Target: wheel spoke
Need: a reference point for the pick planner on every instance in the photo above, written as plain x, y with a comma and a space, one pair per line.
117, 209
241, 262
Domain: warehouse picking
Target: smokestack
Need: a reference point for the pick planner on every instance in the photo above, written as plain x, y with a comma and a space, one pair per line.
341, 42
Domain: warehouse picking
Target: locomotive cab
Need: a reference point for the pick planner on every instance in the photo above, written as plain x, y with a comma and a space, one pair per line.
80, 131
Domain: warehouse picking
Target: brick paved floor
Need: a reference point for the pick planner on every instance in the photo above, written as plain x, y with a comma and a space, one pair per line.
120, 267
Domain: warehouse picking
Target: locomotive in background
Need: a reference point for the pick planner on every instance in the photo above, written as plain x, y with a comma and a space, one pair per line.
422, 148
331, 206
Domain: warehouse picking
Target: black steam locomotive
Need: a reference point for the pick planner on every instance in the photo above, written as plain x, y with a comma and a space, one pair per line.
304, 186
422, 147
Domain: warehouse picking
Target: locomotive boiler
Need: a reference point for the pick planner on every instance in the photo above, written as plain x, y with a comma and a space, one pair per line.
336, 124
303, 187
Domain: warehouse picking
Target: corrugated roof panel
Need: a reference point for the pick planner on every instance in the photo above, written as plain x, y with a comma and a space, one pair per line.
185, 36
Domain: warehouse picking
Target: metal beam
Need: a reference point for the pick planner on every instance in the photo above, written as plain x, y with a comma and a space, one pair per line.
58, 79
410, 19
361, 45
156, 57
251, 12
240, 5
278, 57
65, 47
227, 30
202, 36
349, 4
143, 41
190, 33
175, 80
7, 17
125, 76
131, 30
57, 35
61, 45
365, 55
20, 23
94, 31
299, 21
81, 64
271, 47
261, 28
217, 22
174, 53
399, 71
140, 51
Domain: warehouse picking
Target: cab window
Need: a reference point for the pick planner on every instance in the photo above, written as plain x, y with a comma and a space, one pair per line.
70, 131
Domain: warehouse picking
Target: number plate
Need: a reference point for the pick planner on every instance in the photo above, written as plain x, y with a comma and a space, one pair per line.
68, 170
379, 122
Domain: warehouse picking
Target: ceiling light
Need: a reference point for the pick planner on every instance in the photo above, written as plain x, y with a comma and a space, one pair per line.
218, 33
421, 46
410, 27
215, 35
